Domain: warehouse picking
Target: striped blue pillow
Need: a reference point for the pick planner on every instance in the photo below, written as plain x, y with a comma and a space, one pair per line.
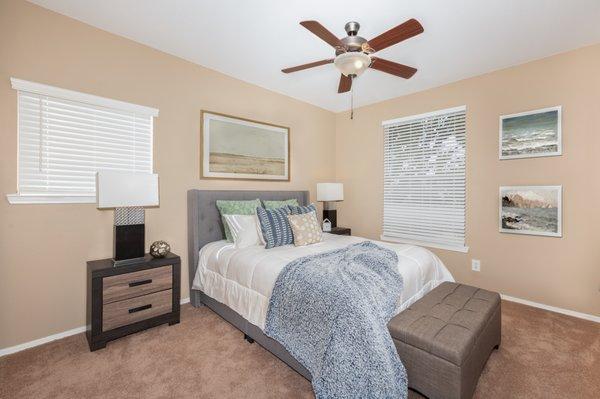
275, 226
299, 210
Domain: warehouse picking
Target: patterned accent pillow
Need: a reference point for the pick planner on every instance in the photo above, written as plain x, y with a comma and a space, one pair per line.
275, 226
279, 204
299, 210
236, 208
305, 228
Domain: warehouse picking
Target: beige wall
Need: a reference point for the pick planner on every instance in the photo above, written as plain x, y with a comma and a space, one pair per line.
562, 272
43, 248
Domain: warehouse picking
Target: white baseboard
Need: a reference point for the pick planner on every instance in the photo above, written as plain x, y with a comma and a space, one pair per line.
41, 341
53, 337
567, 312
78, 330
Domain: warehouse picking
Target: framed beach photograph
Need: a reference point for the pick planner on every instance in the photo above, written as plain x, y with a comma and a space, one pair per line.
531, 210
531, 134
238, 148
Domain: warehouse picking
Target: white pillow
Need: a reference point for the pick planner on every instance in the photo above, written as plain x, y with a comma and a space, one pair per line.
243, 230
261, 238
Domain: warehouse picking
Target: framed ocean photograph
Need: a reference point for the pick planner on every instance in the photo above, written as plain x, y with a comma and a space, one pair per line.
531, 210
531, 134
238, 148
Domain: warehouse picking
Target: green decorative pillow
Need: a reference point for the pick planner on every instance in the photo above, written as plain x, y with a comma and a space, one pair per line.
236, 208
279, 204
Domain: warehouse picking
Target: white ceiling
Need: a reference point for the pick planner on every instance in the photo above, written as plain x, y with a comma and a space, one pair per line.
254, 40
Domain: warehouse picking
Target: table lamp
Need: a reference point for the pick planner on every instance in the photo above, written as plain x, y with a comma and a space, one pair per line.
128, 193
329, 193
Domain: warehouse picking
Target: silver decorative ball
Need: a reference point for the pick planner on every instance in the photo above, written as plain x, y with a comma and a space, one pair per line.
159, 249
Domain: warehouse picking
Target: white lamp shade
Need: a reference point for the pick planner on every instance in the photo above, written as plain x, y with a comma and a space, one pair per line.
121, 189
330, 192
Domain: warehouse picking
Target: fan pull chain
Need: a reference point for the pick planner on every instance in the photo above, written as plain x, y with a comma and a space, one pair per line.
351, 97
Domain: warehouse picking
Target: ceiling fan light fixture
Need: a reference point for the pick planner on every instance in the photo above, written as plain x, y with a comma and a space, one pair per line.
352, 63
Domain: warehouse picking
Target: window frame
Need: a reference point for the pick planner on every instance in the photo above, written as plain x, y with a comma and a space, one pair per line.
20, 85
457, 248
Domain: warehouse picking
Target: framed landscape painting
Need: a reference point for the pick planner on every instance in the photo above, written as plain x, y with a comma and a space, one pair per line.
531, 210
531, 134
237, 148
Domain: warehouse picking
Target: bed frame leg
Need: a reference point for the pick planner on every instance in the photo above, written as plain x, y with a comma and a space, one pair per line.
248, 338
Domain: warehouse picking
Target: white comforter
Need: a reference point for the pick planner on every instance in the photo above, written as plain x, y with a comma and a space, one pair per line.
243, 279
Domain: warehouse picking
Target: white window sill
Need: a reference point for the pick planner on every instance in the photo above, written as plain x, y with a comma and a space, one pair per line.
456, 248
49, 199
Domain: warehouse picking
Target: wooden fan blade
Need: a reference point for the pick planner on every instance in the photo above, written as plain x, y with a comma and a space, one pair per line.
320, 31
345, 84
393, 68
306, 66
404, 31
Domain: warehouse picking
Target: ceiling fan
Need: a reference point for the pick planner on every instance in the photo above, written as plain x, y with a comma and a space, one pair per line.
353, 53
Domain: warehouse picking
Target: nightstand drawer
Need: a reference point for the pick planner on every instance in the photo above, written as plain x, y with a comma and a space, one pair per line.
130, 285
128, 311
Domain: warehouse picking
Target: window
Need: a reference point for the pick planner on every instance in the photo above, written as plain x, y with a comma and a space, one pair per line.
65, 137
424, 179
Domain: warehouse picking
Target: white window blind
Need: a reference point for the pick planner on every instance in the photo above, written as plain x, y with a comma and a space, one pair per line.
424, 179
65, 137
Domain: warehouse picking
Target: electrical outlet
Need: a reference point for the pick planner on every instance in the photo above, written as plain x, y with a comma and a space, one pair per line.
475, 265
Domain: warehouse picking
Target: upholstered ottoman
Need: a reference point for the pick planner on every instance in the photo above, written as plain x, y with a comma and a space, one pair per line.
446, 337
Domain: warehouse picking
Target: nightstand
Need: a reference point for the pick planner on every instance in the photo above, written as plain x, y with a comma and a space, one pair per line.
126, 299
341, 231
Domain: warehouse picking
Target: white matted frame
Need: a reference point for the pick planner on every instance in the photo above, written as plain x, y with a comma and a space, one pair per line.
205, 173
532, 155
558, 232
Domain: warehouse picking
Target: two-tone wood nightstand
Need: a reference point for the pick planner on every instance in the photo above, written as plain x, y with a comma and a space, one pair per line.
126, 299
341, 231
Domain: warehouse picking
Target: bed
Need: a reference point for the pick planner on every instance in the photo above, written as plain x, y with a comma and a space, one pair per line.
236, 283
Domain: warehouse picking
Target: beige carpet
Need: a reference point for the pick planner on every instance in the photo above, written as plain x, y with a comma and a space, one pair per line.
543, 355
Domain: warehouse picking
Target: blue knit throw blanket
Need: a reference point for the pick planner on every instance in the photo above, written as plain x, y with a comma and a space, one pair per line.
330, 311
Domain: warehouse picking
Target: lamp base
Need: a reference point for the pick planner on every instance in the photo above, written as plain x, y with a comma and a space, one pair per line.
129, 241
129, 235
330, 214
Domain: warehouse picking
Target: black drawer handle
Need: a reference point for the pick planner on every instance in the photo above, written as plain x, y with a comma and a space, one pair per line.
139, 309
141, 282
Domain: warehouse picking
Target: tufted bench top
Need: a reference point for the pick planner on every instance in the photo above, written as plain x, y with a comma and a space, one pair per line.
447, 321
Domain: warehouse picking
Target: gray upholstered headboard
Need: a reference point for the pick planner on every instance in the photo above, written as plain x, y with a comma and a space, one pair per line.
204, 220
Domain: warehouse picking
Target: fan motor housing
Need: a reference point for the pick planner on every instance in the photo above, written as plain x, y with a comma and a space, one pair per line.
353, 43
